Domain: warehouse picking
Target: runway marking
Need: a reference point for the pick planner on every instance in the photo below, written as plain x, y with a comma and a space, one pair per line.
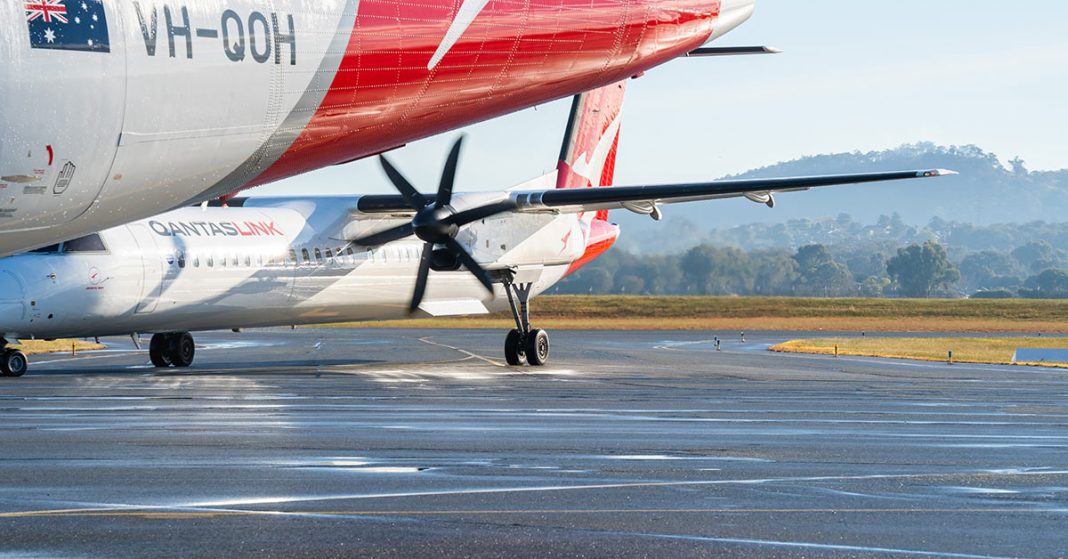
637, 485
819, 546
86, 357
185, 514
464, 351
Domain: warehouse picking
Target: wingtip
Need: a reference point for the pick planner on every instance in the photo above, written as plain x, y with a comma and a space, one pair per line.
937, 173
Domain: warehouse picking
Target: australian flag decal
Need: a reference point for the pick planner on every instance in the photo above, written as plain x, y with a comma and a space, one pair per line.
67, 25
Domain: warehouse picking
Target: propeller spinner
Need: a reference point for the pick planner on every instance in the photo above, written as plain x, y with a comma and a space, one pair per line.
436, 223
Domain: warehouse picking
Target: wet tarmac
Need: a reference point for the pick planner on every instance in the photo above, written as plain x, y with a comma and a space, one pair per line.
386, 443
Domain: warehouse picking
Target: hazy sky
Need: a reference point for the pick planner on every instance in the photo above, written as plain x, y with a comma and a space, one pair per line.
855, 75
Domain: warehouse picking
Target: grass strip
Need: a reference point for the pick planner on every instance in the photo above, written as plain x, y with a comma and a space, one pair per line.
770, 313
38, 347
998, 351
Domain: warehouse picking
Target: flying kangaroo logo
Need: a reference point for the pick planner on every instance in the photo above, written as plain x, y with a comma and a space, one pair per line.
591, 166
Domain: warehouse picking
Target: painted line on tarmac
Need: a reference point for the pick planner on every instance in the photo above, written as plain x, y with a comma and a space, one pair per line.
86, 357
223, 507
463, 351
816, 546
184, 514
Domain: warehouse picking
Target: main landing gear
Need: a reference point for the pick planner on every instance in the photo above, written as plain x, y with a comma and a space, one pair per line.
13, 362
175, 348
523, 345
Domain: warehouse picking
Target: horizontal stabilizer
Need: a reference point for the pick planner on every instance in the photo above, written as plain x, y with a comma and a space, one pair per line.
732, 51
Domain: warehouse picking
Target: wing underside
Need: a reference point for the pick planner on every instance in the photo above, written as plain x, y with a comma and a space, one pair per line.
646, 198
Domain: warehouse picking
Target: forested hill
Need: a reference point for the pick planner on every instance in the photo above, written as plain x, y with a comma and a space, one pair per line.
986, 192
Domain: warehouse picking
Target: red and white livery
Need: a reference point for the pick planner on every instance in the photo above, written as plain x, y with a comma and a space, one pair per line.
286, 261
114, 111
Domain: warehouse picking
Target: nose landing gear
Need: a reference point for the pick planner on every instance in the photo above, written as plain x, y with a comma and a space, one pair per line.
13, 362
175, 348
523, 345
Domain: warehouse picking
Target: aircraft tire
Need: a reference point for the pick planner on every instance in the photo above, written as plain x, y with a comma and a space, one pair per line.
514, 352
181, 349
537, 349
14, 363
157, 350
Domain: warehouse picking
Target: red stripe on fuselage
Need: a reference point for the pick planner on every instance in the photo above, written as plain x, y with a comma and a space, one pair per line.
514, 55
602, 236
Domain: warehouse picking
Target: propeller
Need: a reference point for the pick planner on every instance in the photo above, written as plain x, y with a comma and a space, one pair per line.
436, 223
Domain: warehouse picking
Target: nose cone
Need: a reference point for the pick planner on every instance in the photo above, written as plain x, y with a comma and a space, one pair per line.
12, 303
732, 13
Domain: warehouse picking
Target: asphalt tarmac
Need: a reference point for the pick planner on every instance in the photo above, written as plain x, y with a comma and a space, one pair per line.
407, 443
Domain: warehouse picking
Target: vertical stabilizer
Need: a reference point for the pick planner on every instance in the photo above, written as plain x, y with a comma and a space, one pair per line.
588, 156
588, 160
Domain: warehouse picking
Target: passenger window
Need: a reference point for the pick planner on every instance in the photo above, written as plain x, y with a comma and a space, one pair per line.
196, 261
211, 262
304, 254
318, 256
293, 256
329, 254
248, 261
222, 261
88, 243
181, 260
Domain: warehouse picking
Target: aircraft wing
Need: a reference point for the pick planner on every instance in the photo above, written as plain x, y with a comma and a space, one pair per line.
644, 199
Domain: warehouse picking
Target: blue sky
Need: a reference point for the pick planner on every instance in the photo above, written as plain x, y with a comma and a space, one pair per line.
855, 75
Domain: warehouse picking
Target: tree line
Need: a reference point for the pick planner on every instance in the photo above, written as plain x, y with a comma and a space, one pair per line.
926, 269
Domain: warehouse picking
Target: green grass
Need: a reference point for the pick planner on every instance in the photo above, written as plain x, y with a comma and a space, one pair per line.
965, 350
774, 313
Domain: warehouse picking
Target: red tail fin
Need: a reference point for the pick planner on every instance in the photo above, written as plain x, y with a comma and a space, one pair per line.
588, 160
588, 156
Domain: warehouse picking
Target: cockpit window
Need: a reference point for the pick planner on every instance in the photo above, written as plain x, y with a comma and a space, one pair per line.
88, 243
47, 249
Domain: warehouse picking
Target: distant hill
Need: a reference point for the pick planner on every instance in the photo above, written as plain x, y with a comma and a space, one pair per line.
986, 192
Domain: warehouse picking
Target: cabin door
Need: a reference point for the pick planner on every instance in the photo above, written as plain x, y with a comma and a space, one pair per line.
153, 265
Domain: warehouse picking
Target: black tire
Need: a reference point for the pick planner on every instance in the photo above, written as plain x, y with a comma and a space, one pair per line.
14, 363
181, 350
158, 350
514, 352
537, 347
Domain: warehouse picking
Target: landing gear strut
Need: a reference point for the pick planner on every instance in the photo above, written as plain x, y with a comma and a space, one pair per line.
13, 362
175, 348
523, 345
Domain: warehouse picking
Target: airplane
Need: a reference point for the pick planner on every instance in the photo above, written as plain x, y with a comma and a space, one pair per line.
281, 261
116, 111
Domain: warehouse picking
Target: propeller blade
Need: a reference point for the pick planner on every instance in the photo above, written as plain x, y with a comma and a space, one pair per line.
448, 175
481, 212
410, 194
389, 235
421, 278
470, 263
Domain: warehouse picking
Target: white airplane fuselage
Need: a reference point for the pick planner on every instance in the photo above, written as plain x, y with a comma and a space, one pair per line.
115, 111
268, 263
